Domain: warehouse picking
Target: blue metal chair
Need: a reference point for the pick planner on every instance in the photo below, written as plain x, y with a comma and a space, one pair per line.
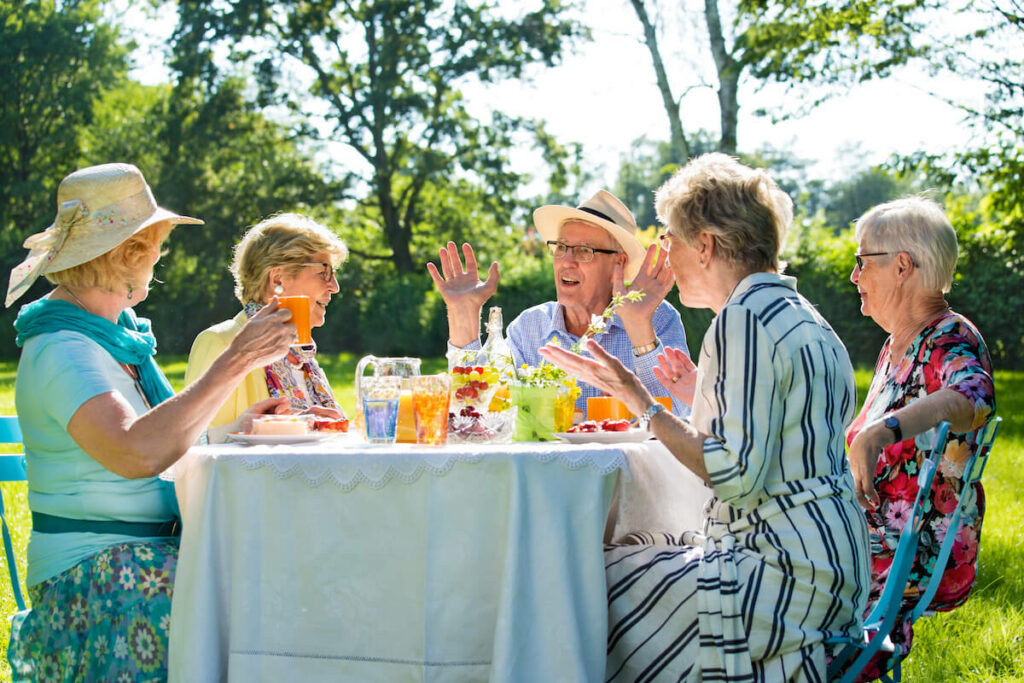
12, 468
880, 621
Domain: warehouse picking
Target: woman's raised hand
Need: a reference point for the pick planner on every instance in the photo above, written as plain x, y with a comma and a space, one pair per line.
463, 292
678, 374
604, 371
265, 338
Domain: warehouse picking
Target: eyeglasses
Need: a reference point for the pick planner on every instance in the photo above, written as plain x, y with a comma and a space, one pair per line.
860, 257
326, 270
579, 252
666, 241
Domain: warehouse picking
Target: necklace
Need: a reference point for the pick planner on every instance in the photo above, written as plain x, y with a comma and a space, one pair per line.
77, 301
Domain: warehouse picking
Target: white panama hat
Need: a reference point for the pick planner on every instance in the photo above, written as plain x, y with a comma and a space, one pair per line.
603, 210
98, 208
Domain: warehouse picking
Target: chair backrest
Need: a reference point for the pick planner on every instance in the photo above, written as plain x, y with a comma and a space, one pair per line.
973, 469
12, 468
886, 610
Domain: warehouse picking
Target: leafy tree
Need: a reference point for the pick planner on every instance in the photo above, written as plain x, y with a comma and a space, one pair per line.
383, 78
798, 42
56, 60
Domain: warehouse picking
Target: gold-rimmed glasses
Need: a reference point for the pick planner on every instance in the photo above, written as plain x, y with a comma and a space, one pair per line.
326, 270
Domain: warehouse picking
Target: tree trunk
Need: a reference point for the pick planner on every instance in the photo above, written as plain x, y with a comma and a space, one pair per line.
680, 148
396, 237
728, 78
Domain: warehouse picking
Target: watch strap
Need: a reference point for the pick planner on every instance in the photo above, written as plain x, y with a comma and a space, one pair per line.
893, 424
652, 410
646, 348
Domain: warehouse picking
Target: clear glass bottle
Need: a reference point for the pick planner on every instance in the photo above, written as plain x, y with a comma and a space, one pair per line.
497, 354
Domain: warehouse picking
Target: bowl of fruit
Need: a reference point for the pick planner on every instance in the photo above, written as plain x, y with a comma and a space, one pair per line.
473, 386
470, 425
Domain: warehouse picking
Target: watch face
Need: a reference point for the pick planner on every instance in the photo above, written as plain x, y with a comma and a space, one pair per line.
892, 423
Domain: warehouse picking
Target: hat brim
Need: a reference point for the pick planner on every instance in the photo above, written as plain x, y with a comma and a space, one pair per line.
88, 247
549, 219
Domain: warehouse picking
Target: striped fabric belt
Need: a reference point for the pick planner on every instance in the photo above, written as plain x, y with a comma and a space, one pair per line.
51, 524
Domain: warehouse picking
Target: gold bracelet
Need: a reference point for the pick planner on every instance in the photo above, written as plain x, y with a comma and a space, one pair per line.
646, 348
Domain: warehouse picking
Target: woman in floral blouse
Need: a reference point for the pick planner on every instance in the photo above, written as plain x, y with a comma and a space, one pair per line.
933, 367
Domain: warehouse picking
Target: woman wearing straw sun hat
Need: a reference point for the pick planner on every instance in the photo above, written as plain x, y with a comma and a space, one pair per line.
100, 422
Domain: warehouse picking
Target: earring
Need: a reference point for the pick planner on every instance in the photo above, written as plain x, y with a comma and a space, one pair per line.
278, 289
130, 290
700, 261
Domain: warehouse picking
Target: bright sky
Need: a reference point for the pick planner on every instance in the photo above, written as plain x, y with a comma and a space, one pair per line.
604, 96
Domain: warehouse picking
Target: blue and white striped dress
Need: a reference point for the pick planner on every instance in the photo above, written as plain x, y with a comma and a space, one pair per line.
782, 560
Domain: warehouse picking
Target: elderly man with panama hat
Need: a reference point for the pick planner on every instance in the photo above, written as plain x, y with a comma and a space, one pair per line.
595, 252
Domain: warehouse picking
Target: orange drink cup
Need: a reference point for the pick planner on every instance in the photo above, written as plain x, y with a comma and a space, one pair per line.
406, 418
430, 396
599, 408
300, 308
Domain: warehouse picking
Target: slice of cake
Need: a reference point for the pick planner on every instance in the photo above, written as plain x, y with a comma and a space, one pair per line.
280, 424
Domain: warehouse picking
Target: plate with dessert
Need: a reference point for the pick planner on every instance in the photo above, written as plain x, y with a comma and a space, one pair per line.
286, 429
605, 431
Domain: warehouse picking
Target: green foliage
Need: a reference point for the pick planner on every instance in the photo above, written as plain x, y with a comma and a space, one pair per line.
56, 61
383, 78
989, 274
796, 41
822, 261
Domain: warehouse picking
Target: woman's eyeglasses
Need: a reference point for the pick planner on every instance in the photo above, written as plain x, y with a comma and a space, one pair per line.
579, 252
860, 257
326, 270
666, 241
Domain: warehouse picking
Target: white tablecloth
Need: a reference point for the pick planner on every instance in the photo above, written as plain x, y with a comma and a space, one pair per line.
342, 561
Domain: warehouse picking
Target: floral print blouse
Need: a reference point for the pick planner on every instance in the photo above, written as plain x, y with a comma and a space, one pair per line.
948, 353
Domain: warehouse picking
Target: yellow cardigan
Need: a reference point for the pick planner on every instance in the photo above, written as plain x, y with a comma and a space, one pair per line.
210, 343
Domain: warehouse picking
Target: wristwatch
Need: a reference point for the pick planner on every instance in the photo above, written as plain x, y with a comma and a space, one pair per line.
646, 348
892, 423
652, 410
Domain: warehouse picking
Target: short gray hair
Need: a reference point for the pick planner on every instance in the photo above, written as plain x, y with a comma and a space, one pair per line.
741, 206
918, 226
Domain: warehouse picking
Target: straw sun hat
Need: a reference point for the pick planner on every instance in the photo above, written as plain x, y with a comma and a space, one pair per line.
604, 211
98, 208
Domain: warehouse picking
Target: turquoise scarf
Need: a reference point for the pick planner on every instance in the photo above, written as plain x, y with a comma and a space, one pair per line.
129, 341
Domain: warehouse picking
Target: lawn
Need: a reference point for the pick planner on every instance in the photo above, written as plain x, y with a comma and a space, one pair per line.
981, 641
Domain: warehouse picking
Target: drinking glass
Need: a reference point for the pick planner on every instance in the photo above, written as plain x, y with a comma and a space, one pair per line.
379, 396
430, 397
300, 308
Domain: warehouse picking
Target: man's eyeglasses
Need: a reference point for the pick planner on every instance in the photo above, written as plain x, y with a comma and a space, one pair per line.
326, 270
860, 257
579, 252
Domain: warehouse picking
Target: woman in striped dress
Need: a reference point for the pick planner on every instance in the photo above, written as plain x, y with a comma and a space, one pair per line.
781, 563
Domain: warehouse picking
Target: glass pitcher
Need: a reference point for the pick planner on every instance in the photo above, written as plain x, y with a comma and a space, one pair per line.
392, 367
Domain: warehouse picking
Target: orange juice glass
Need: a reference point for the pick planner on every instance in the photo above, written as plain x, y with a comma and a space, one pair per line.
300, 308
406, 418
430, 397
599, 408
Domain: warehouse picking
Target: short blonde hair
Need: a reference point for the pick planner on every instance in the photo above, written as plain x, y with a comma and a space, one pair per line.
918, 226
286, 240
742, 207
126, 266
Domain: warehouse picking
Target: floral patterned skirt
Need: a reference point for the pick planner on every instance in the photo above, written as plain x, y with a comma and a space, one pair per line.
105, 619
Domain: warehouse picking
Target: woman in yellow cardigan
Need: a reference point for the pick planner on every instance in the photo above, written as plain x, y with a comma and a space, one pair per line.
286, 255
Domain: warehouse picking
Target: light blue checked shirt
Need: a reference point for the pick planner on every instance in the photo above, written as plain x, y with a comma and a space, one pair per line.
537, 326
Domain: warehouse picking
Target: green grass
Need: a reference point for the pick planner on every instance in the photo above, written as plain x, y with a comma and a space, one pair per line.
982, 641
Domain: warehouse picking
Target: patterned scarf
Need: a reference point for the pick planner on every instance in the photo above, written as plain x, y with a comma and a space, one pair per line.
281, 377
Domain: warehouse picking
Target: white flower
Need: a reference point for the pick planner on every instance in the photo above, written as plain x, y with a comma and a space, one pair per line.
597, 323
127, 579
121, 647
